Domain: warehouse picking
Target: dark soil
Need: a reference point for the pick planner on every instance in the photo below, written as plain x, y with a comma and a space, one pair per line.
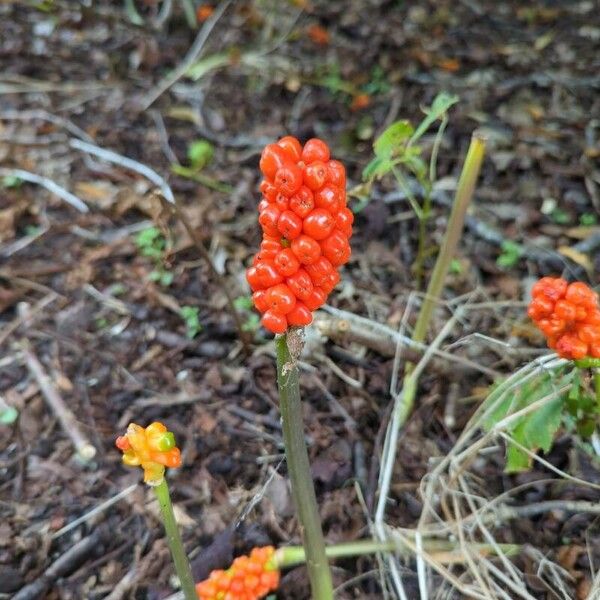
76, 289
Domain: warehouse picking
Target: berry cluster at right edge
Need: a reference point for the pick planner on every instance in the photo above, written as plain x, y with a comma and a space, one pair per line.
568, 315
306, 227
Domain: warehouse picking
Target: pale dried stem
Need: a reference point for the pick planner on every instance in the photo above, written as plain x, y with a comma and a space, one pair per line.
85, 449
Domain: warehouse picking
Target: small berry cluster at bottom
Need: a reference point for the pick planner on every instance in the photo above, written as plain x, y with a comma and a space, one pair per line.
249, 578
306, 227
568, 315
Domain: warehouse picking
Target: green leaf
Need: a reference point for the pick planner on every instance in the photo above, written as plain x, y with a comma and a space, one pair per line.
166, 278
377, 168
11, 181
200, 153
8, 415
243, 303
393, 138
516, 459
440, 105
541, 426
192, 321
511, 252
251, 323
455, 266
586, 427
588, 219
535, 430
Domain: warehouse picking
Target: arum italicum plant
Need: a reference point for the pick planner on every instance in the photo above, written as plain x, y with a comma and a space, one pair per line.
306, 227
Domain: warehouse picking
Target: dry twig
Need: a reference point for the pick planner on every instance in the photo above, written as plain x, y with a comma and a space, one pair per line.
67, 419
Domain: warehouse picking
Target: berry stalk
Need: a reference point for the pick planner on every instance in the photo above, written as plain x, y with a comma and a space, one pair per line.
299, 469
182, 566
464, 194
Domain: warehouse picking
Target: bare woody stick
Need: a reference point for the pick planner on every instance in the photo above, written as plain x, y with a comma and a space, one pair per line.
68, 421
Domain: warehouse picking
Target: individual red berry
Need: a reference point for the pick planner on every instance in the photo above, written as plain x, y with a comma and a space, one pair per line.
259, 298
300, 283
289, 225
579, 293
552, 326
270, 248
281, 299
282, 202
288, 179
589, 333
336, 248
330, 198
268, 190
315, 150
315, 299
565, 310
540, 307
292, 146
570, 346
344, 220
274, 322
336, 174
306, 249
286, 262
272, 158
268, 274
302, 202
330, 282
550, 287
315, 175
262, 205
300, 315
253, 278
268, 219
318, 224
320, 270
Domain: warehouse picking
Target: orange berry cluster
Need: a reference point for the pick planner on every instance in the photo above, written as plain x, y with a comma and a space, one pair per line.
249, 578
306, 226
153, 448
568, 315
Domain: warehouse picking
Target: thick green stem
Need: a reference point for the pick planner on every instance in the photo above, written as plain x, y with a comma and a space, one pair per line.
597, 386
182, 566
464, 193
299, 470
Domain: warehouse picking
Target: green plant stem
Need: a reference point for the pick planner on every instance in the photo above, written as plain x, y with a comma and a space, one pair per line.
588, 363
422, 247
597, 386
182, 566
464, 193
296, 456
290, 556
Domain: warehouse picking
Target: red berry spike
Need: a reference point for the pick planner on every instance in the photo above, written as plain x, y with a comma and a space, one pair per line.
249, 577
306, 227
568, 315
